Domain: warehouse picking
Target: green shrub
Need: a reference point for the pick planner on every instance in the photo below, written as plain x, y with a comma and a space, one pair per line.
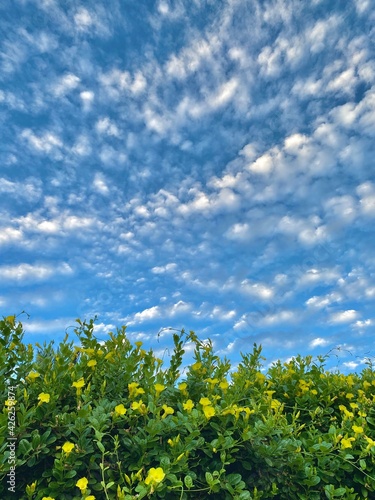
108, 420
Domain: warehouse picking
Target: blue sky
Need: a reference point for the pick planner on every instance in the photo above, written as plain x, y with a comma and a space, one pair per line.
197, 164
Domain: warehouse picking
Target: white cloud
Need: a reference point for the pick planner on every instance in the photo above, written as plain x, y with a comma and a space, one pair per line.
258, 290
65, 84
321, 302
87, 97
279, 317
83, 19
148, 314
318, 342
34, 272
99, 184
344, 316
164, 269
9, 235
363, 323
47, 143
106, 126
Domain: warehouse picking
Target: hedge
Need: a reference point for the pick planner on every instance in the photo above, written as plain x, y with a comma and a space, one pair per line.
92, 419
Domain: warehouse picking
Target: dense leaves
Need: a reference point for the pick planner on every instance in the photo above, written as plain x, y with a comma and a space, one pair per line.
108, 420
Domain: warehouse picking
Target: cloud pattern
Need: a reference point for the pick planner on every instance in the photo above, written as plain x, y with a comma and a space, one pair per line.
191, 164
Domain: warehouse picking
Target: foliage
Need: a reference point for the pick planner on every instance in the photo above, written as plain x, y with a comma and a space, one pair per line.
108, 420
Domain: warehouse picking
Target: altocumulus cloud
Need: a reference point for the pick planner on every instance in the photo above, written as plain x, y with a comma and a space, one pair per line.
191, 165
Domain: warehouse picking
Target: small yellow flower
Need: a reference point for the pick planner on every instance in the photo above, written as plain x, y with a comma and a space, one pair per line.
183, 388
33, 375
209, 411
79, 383
167, 411
82, 484
366, 384
212, 382
120, 409
188, 406
205, 401
134, 390
92, 363
350, 381
224, 385
370, 442
100, 352
349, 395
275, 404
140, 406
155, 476
11, 320
196, 366
44, 397
68, 447
31, 488
347, 442
90, 497
357, 429
353, 405
159, 388
48, 498
10, 402
139, 343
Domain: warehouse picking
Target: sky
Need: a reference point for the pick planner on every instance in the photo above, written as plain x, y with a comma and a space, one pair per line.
206, 165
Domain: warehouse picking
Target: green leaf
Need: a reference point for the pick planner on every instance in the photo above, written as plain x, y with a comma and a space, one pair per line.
100, 446
209, 478
188, 480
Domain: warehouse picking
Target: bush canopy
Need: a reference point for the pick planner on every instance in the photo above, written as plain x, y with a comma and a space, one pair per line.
107, 420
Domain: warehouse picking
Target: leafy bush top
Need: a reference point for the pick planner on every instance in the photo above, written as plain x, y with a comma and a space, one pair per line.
107, 420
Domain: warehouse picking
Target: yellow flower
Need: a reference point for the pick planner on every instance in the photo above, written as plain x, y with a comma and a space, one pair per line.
79, 383
167, 411
196, 366
48, 498
353, 405
347, 442
134, 390
155, 476
212, 382
140, 406
33, 375
349, 395
139, 343
370, 442
350, 381
82, 484
92, 363
182, 387
205, 401
90, 497
11, 320
31, 488
275, 404
100, 352
357, 429
44, 397
120, 409
159, 388
10, 402
68, 447
188, 406
209, 411
224, 385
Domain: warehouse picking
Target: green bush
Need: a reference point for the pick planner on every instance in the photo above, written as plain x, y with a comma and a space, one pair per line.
108, 420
